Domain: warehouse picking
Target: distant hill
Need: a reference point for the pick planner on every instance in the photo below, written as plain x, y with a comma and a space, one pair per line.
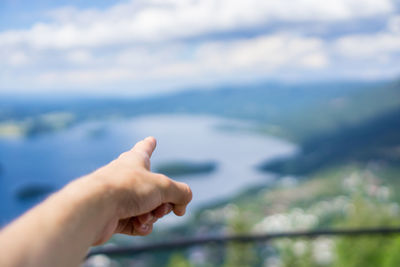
295, 111
377, 139
292, 111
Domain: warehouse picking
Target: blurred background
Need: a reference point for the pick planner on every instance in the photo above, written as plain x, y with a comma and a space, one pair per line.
281, 115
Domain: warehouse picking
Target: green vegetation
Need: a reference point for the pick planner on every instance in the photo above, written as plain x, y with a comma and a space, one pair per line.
378, 138
33, 126
349, 178
180, 168
178, 260
349, 196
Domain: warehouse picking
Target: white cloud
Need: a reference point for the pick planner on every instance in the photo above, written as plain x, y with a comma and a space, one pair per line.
376, 46
17, 58
394, 24
144, 43
261, 53
79, 57
210, 60
154, 20
368, 46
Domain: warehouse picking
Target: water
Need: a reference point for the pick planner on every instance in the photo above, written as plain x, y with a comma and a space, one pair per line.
57, 158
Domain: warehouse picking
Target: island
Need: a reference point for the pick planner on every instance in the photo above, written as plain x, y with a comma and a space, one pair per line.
185, 168
31, 126
33, 191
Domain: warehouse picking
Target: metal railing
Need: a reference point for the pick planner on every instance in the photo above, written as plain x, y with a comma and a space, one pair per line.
196, 241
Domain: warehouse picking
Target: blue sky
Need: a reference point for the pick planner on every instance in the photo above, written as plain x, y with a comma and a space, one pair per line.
143, 47
20, 14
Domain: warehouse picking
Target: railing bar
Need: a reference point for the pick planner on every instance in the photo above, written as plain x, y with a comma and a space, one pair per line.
189, 242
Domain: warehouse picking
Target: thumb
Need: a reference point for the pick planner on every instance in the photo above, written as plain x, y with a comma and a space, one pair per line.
144, 149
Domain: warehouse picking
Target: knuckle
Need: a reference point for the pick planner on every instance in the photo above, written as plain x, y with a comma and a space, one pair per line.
160, 176
188, 194
142, 155
135, 172
123, 155
165, 181
129, 173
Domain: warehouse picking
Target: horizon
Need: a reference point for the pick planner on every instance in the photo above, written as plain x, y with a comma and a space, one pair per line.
107, 95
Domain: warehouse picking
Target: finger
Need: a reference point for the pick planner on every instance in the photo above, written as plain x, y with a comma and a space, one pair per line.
180, 210
144, 149
146, 146
142, 229
162, 210
126, 226
179, 194
147, 218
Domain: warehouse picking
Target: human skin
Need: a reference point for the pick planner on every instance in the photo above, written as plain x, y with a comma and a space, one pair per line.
121, 197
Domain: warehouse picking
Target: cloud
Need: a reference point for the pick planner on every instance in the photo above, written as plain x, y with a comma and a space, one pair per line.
161, 44
259, 55
155, 20
380, 46
368, 46
262, 53
79, 57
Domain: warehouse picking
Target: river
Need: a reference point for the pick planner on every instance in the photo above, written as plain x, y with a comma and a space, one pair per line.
54, 159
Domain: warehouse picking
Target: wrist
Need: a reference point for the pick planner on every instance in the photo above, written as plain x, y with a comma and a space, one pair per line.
95, 193
93, 202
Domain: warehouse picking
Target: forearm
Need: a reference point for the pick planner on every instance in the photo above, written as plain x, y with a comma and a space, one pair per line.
121, 197
61, 229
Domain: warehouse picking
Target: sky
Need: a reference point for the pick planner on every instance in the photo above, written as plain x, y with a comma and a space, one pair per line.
143, 47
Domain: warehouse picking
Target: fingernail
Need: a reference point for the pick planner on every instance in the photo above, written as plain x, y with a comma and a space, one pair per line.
144, 227
150, 137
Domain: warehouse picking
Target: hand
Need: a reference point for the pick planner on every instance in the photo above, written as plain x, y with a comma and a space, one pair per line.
142, 196
121, 197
